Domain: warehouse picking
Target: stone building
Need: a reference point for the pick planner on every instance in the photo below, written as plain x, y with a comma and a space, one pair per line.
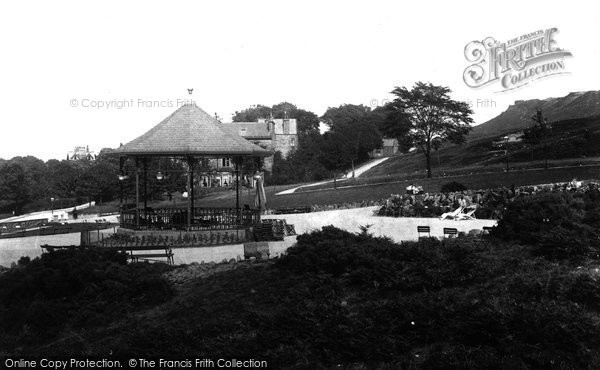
81, 153
389, 147
275, 134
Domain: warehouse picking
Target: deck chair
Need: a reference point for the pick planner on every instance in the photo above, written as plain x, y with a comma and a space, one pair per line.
466, 216
424, 230
452, 215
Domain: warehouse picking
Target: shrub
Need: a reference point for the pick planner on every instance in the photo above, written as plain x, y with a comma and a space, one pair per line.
452, 187
65, 285
339, 299
559, 224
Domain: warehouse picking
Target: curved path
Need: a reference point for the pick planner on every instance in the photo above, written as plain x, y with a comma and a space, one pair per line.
357, 172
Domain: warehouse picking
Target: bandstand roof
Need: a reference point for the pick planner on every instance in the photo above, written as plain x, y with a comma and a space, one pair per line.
190, 131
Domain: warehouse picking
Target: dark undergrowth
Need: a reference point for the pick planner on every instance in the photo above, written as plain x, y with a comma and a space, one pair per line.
336, 299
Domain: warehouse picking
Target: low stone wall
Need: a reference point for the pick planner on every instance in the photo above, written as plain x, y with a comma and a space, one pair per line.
397, 228
222, 253
203, 237
13, 249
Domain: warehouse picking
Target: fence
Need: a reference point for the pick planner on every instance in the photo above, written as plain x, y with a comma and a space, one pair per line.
177, 218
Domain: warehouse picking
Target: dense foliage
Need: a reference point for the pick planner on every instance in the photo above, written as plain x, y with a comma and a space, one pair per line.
560, 224
452, 187
336, 298
427, 117
352, 134
27, 183
73, 290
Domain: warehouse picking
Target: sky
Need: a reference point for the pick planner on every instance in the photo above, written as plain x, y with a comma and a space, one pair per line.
103, 73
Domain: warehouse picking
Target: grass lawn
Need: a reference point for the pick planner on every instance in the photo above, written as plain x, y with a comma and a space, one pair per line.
364, 192
478, 179
373, 189
570, 142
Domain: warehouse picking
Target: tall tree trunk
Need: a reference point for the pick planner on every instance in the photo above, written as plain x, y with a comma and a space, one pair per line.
428, 157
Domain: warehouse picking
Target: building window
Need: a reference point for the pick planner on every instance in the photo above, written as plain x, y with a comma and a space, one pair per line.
286, 126
226, 162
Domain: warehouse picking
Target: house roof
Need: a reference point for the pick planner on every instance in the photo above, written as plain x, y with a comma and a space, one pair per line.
249, 130
190, 131
390, 142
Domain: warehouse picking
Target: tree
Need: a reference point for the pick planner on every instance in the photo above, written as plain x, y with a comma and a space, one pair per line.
252, 114
303, 164
14, 188
426, 114
36, 173
345, 114
63, 177
538, 133
357, 127
336, 152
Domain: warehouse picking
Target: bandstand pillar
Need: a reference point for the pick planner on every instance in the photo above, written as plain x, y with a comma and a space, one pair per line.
190, 174
137, 195
145, 191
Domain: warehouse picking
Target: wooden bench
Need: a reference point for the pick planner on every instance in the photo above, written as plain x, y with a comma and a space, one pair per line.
133, 254
423, 230
50, 248
290, 210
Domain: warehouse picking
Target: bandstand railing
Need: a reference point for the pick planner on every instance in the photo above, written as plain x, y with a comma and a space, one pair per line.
177, 218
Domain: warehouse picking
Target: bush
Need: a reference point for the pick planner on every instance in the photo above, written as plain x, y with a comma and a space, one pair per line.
339, 299
67, 283
560, 225
452, 187
453, 305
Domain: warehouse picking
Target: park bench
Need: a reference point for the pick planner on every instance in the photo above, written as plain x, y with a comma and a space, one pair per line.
424, 230
51, 248
290, 210
145, 252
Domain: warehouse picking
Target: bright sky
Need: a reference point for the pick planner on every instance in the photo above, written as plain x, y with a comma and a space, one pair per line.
234, 54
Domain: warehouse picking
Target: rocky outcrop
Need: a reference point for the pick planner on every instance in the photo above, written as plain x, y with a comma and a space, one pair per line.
518, 115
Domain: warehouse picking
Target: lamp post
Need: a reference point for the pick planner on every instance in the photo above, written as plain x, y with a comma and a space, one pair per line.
52, 202
506, 151
122, 177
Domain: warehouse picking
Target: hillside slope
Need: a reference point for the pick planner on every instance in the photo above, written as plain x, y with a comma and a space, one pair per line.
570, 142
518, 115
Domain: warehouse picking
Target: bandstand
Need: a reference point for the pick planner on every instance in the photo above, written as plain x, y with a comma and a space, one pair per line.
192, 136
